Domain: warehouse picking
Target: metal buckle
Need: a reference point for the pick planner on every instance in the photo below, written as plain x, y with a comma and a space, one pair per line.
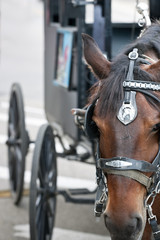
100, 205
134, 54
101, 198
98, 209
155, 233
118, 163
157, 188
150, 213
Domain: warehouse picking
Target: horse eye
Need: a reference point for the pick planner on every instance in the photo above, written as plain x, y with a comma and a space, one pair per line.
156, 127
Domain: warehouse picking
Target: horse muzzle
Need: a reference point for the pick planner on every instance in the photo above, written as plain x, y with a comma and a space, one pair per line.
126, 229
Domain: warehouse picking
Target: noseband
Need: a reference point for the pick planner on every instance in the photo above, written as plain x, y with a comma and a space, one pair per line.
123, 166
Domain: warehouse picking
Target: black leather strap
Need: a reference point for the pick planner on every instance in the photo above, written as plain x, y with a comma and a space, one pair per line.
155, 229
156, 161
132, 57
148, 94
124, 163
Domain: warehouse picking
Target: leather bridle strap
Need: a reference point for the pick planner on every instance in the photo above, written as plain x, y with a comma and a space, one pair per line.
133, 174
142, 87
124, 163
149, 94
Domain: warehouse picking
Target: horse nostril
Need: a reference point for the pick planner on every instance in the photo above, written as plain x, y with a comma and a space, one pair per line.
107, 220
134, 225
138, 223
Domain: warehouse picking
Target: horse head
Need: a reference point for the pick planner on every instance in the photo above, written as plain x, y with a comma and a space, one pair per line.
128, 134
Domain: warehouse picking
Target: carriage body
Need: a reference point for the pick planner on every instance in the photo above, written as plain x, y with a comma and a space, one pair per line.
61, 98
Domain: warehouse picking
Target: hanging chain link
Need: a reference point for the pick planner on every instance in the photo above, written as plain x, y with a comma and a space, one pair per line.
150, 200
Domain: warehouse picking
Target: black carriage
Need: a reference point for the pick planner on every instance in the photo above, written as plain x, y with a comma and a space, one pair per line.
67, 81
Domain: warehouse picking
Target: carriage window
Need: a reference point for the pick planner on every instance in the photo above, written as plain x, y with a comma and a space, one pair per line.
64, 58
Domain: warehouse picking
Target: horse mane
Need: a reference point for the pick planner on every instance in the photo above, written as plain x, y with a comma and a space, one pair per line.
110, 90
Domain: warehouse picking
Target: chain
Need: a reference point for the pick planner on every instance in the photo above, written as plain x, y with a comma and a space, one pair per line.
152, 218
151, 198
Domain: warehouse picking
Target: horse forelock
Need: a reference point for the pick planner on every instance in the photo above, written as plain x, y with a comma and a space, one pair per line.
110, 90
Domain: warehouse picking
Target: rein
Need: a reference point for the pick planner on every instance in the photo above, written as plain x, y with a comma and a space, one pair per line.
124, 166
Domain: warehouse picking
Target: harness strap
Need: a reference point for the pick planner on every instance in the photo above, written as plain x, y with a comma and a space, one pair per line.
132, 56
133, 174
155, 229
123, 163
149, 94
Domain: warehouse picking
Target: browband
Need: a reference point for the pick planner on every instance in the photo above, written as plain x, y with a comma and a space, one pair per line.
137, 84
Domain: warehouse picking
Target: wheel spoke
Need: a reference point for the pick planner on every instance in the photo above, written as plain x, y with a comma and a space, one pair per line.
51, 206
42, 222
49, 156
15, 116
50, 162
49, 216
18, 164
51, 177
38, 208
41, 176
11, 131
42, 163
12, 169
43, 217
11, 126
46, 152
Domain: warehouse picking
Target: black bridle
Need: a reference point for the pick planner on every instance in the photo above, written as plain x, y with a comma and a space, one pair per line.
124, 166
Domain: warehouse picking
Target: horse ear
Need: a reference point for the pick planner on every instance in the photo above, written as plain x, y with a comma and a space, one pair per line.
95, 58
154, 69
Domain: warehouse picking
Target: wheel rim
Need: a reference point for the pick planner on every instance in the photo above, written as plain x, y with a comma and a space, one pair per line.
17, 143
46, 176
43, 191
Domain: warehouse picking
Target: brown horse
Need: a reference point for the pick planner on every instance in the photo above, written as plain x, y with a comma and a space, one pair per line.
131, 135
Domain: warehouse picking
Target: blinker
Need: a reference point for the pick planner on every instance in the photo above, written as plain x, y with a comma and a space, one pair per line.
90, 126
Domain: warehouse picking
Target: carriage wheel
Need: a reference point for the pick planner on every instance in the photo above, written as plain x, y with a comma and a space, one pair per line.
43, 186
17, 142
